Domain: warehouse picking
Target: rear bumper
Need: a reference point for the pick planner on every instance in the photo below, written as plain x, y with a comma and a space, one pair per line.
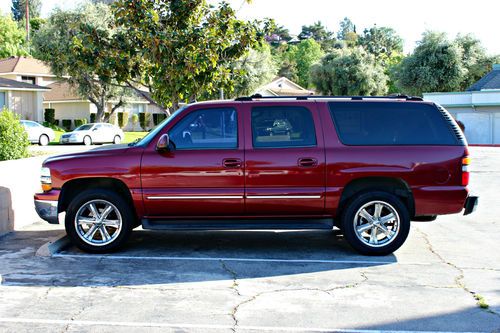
470, 204
46, 206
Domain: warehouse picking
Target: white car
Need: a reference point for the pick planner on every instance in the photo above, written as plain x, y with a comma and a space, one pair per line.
93, 133
38, 133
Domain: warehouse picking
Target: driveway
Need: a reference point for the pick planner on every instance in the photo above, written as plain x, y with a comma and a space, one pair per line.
264, 281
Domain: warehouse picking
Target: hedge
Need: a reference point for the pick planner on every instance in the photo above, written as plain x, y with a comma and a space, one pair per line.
158, 118
92, 117
80, 122
49, 116
122, 119
13, 138
66, 123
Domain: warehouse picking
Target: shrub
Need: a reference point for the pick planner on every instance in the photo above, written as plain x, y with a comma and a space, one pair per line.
135, 119
92, 117
158, 118
13, 138
147, 120
49, 116
113, 119
66, 123
80, 122
142, 120
122, 119
54, 126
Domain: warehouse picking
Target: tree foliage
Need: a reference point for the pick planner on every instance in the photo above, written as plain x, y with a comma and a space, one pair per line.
319, 33
382, 42
181, 48
12, 38
349, 71
13, 138
18, 9
346, 28
436, 65
67, 42
297, 60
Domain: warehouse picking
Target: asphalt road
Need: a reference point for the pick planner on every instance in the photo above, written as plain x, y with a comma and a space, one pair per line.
264, 281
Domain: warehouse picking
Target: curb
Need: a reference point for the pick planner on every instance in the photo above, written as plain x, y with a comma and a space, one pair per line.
57, 244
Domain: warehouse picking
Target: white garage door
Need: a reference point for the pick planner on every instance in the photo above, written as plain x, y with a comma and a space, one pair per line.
478, 127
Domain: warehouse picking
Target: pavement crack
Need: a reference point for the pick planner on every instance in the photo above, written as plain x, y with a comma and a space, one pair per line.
459, 279
234, 286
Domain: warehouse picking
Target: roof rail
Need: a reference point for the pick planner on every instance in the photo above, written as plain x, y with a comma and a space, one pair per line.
306, 97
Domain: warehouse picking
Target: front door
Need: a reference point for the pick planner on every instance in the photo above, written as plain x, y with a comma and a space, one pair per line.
285, 160
203, 176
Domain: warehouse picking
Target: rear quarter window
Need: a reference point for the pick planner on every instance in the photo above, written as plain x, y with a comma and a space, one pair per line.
392, 123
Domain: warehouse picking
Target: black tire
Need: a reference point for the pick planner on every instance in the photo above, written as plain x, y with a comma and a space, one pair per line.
124, 208
350, 213
43, 140
87, 142
117, 140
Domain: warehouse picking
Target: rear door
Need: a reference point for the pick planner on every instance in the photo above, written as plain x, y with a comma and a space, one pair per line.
284, 159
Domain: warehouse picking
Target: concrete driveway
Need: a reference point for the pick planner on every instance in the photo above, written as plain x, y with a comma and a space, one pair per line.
264, 281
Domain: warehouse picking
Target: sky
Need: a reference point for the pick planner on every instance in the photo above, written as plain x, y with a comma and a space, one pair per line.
408, 18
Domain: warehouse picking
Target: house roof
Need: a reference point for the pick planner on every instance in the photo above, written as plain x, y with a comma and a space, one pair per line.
62, 91
489, 81
24, 65
9, 84
284, 87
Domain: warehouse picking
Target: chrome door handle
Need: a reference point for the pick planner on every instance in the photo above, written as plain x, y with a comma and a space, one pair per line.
307, 162
231, 163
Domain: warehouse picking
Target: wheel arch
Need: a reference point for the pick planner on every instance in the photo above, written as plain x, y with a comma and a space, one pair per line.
396, 186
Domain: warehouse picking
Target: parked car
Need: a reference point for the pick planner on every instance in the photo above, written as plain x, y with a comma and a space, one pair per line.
38, 133
94, 133
363, 164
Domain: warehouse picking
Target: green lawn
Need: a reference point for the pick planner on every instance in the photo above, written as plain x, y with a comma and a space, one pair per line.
129, 136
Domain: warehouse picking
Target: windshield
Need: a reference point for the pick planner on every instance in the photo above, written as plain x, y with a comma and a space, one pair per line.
145, 140
84, 128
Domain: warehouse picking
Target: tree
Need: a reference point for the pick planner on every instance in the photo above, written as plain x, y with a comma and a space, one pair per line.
180, 49
18, 8
319, 33
349, 72
436, 65
346, 29
307, 53
382, 42
12, 38
278, 34
89, 69
253, 70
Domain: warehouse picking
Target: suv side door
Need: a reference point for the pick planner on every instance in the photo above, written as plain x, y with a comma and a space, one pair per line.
203, 176
284, 159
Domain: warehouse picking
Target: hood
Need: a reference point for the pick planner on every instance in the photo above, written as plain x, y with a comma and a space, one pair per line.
98, 151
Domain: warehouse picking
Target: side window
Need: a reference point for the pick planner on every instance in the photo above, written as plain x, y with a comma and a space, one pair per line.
393, 123
282, 126
207, 129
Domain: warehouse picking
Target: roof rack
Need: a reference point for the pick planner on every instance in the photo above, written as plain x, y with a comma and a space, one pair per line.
306, 97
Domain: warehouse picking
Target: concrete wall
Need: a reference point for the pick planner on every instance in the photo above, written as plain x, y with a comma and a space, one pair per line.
19, 180
24, 103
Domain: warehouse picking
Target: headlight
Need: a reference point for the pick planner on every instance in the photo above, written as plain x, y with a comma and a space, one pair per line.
46, 179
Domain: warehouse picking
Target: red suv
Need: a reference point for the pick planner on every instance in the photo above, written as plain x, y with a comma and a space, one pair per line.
367, 165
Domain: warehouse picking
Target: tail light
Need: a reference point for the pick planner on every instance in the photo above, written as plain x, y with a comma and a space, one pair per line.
46, 179
465, 170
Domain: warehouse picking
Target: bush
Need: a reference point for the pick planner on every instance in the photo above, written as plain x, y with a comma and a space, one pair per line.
49, 116
122, 119
13, 138
80, 122
54, 126
92, 117
142, 120
147, 120
135, 119
66, 123
158, 118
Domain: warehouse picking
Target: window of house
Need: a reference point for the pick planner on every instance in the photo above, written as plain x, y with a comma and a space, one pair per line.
28, 79
207, 129
282, 126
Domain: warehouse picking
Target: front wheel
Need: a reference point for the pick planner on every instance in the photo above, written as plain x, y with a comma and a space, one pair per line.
99, 221
87, 140
117, 140
375, 223
44, 140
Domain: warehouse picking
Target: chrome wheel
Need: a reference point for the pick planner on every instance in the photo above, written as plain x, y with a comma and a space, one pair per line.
376, 223
98, 222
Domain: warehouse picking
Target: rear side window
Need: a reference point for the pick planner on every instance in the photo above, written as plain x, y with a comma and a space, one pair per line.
393, 123
282, 126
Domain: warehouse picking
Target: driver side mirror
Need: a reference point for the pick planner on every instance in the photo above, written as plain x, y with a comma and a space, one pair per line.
163, 144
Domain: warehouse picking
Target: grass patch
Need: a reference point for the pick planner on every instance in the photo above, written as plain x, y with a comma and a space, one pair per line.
132, 136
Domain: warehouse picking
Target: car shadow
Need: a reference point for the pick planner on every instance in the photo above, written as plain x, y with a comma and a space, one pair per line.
152, 258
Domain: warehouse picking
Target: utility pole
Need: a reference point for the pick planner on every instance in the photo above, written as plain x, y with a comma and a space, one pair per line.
27, 21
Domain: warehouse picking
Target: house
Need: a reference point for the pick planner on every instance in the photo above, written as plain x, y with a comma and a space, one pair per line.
283, 87
478, 108
36, 78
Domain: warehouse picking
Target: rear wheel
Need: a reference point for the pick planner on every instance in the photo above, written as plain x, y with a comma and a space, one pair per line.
117, 140
87, 140
375, 223
44, 140
99, 221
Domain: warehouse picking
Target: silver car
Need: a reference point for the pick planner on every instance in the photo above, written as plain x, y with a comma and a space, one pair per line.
93, 133
38, 133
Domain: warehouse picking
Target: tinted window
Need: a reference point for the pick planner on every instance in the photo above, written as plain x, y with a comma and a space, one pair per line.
393, 123
207, 129
282, 126
84, 128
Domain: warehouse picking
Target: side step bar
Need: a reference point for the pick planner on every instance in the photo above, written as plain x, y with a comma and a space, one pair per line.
239, 224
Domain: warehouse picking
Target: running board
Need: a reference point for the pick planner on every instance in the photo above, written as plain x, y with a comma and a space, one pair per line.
239, 224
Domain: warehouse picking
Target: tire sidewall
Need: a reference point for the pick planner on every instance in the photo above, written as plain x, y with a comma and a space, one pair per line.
89, 140
115, 199
44, 140
115, 141
348, 226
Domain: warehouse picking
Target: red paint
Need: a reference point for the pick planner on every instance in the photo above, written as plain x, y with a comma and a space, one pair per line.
433, 173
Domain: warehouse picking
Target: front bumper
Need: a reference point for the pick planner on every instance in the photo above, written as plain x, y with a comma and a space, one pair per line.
470, 204
47, 210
